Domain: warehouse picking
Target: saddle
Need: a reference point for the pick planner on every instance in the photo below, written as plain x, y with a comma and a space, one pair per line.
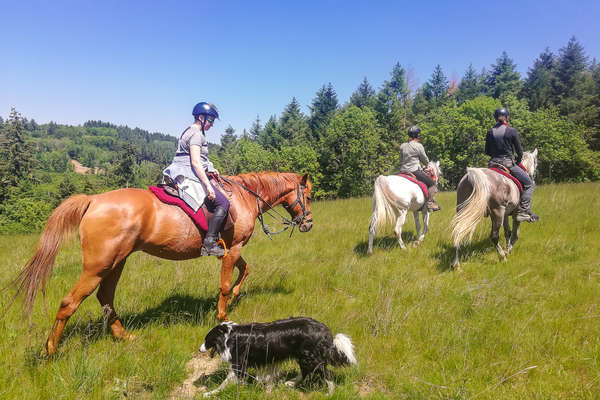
168, 194
502, 170
411, 177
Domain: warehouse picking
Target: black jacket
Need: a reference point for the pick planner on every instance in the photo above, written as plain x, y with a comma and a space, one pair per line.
502, 142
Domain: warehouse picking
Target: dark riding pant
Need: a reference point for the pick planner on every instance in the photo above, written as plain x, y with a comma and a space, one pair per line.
423, 177
528, 187
219, 201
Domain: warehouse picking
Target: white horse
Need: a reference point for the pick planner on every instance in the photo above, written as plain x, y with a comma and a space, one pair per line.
393, 197
482, 192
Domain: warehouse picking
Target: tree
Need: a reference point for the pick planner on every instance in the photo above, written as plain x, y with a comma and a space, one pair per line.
538, 85
364, 96
123, 172
269, 137
504, 79
436, 89
18, 159
293, 125
570, 63
350, 153
321, 110
255, 129
470, 86
226, 152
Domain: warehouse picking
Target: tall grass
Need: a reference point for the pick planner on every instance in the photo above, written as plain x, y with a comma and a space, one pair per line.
526, 328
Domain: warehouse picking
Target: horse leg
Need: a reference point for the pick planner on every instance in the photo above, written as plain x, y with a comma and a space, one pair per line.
398, 228
243, 269
83, 288
227, 265
372, 230
514, 236
425, 225
417, 227
497, 216
106, 296
456, 262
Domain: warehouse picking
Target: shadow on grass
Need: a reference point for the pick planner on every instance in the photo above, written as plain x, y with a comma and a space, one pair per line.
445, 253
173, 310
312, 383
384, 243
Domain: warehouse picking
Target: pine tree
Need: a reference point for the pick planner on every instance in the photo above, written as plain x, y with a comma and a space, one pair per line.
269, 137
255, 129
18, 159
293, 126
436, 89
504, 80
571, 62
537, 88
470, 86
321, 110
364, 96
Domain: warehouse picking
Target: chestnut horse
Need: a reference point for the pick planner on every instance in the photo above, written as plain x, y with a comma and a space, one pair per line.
114, 224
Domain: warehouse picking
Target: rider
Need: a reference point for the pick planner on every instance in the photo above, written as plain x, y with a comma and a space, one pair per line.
411, 153
192, 171
499, 144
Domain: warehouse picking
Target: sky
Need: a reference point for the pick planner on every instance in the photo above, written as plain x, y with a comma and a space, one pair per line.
147, 63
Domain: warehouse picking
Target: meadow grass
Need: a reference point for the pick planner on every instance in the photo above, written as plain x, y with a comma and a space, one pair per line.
525, 328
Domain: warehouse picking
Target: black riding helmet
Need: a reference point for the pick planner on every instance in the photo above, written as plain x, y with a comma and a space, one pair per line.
414, 132
501, 111
204, 110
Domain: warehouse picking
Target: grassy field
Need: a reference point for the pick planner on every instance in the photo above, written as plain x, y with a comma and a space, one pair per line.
526, 328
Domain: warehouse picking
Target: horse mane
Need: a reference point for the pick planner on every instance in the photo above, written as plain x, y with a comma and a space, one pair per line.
528, 162
267, 182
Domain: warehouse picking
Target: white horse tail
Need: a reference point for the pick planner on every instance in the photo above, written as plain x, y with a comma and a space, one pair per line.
383, 212
472, 209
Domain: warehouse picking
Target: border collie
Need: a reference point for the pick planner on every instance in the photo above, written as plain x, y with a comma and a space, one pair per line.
262, 345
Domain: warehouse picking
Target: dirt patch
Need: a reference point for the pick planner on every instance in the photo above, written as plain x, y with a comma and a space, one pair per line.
200, 366
82, 169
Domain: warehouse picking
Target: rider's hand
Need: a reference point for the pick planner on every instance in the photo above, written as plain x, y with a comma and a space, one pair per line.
211, 193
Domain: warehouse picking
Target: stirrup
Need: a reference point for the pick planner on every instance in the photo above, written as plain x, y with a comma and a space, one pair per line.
214, 250
433, 207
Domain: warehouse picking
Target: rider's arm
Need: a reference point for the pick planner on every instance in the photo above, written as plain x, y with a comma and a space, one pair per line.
517, 145
199, 170
488, 144
422, 156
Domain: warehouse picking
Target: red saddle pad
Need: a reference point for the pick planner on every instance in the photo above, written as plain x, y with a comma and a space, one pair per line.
198, 217
509, 176
418, 182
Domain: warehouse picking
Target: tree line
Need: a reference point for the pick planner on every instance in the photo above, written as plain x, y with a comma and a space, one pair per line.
343, 147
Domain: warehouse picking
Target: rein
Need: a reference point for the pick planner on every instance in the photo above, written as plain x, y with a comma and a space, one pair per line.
285, 221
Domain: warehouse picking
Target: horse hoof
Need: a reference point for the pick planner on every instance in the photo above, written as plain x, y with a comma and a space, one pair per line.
130, 337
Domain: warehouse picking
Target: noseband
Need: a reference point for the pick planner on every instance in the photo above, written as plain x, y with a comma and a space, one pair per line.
300, 199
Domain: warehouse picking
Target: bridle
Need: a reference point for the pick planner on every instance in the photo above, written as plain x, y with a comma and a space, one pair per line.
300, 199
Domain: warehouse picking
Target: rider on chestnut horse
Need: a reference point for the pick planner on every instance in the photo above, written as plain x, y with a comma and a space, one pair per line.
191, 171
499, 144
412, 154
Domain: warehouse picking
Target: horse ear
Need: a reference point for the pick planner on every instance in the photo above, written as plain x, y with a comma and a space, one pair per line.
535, 152
304, 179
437, 163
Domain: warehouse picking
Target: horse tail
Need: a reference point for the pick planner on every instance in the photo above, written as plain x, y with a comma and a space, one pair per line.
64, 219
472, 209
382, 208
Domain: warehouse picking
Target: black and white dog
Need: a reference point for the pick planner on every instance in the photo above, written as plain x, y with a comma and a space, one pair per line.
262, 345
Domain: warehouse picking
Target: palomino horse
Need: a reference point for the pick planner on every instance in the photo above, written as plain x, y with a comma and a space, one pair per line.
113, 225
483, 192
393, 197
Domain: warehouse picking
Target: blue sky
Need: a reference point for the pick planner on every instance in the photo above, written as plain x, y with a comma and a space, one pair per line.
145, 64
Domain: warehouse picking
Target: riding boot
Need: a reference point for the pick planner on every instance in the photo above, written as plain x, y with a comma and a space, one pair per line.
210, 247
432, 206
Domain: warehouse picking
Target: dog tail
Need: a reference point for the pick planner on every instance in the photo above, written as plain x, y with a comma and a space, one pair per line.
342, 351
